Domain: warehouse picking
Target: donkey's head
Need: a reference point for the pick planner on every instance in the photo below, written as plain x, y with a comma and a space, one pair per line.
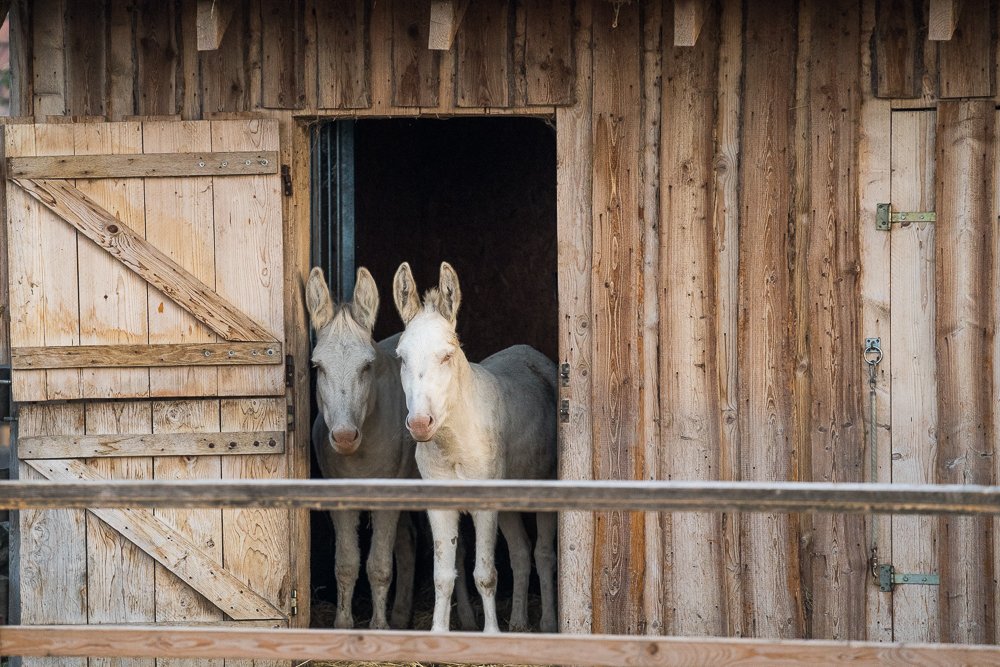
428, 348
344, 356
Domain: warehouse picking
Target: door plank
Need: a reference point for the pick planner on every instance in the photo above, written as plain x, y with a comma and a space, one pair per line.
105, 165
171, 549
108, 444
126, 356
135, 252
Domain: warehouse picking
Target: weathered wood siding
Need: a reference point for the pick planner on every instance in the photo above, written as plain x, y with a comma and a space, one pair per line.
718, 271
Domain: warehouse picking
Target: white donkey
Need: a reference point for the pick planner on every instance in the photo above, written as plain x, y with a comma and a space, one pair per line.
358, 434
494, 420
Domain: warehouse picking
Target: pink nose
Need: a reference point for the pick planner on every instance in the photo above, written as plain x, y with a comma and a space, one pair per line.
419, 425
345, 436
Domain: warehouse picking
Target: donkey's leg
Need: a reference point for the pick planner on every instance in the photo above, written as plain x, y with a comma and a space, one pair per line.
485, 573
406, 558
466, 614
348, 564
519, 547
380, 564
545, 563
444, 529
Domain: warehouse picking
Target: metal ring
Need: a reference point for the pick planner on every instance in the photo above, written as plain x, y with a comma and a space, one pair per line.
873, 355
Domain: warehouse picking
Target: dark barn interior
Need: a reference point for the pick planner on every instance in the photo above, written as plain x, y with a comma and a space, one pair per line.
479, 193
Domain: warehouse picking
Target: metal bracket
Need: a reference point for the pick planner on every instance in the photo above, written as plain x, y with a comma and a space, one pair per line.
888, 578
286, 180
564, 410
6, 394
885, 216
294, 607
564, 374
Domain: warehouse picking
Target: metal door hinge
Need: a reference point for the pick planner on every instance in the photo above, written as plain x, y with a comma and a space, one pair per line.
888, 578
564, 374
885, 216
564, 410
294, 608
286, 179
289, 370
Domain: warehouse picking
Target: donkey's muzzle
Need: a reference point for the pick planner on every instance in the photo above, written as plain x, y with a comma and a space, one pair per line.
421, 427
345, 440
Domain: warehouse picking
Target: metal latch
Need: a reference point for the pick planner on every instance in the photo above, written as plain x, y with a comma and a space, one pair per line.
888, 578
294, 607
885, 216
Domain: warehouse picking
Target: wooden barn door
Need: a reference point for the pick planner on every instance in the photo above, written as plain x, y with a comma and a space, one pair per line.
145, 272
943, 287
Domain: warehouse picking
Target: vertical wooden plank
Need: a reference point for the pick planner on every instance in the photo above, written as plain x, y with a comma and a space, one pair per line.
254, 63
897, 48
22, 79
725, 234
482, 45
766, 336
963, 264
617, 304
248, 252
914, 375
281, 54
86, 27
967, 61
942, 18
226, 71
62, 296
829, 318
189, 81
344, 77
48, 52
655, 589
180, 222
994, 321
4, 250
310, 52
175, 600
157, 56
119, 574
112, 298
25, 266
548, 52
688, 400
121, 60
52, 549
874, 149
574, 221
416, 70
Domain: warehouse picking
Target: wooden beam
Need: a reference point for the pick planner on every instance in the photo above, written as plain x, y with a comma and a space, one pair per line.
140, 256
689, 16
515, 495
168, 547
942, 19
240, 163
446, 16
133, 356
467, 647
156, 444
213, 19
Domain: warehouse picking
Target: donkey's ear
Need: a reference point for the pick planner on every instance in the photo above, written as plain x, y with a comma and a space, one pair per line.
318, 299
451, 293
404, 293
364, 305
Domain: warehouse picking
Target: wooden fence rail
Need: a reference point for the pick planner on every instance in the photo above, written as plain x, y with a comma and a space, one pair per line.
376, 646
507, 495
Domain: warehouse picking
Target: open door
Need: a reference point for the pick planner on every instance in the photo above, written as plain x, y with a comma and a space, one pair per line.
145, 272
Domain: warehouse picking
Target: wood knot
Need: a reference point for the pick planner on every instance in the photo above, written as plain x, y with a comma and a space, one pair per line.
112, 229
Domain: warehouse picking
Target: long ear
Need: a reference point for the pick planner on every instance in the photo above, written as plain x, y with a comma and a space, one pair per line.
364, 305
451, 293
318, 299
404, 293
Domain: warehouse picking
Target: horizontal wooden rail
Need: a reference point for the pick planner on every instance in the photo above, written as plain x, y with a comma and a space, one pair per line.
507, 495
139, 356
150, 444
180, 642
151, 165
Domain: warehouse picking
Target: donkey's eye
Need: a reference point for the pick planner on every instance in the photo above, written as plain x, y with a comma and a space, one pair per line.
367, 367
446, 358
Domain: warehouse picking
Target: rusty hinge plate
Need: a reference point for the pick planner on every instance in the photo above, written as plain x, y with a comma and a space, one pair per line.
885, 217
888, 578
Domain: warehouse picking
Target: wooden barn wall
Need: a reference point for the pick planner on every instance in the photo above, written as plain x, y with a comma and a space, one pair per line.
719, 267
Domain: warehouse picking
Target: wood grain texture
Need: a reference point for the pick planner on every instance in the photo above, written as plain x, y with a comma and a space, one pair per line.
49, 67
725, 235
914, 370
282, 56
689, 16
127, 356
967, 62
964, 256
416, 71
771, 593
874, 181
483, 51
228, 72
188, 94
110, 445
446, 16
213, 20
616, 298
549, 69
132, 250
394, 646
942, 18
688, 400
86, 70
4, 277
121, 76
158, 56
344, 79
137, 165
827, 281
897, 48
22, 83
